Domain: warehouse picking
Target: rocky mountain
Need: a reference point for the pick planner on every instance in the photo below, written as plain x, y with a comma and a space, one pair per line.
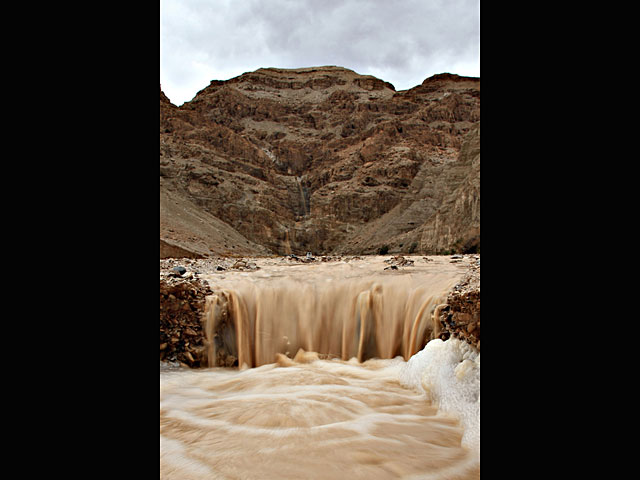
324, 160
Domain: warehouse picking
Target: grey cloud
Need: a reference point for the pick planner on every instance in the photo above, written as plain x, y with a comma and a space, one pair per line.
408, 39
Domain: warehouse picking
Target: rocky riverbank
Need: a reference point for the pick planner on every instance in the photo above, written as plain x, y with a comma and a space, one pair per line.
182, 303
183, 289
461, 315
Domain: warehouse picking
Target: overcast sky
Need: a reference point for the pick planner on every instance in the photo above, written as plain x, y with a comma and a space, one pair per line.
399, 41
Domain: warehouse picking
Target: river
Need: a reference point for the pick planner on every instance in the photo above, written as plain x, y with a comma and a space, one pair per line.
335, 379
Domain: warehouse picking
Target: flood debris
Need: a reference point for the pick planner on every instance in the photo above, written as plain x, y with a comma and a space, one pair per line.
398, 261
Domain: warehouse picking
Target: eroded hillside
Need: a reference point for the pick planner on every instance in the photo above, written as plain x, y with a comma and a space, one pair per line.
323, 160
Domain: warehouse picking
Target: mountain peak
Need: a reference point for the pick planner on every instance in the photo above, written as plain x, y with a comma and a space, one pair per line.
322, 159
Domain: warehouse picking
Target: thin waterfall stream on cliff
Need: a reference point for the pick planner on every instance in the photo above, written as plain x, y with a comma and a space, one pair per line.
339, 374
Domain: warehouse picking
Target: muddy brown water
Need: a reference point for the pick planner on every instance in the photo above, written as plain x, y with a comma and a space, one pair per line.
335, 382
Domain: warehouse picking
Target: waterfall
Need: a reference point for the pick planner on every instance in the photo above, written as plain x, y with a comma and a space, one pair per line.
249, 323
340, 384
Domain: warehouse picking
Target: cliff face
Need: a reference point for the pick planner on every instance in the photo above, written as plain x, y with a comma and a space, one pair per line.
323, 160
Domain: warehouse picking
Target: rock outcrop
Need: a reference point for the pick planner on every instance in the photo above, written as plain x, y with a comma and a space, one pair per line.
460, 316
181, 306
324, 160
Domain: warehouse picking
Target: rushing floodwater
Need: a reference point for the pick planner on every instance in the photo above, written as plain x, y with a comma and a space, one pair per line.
328, 415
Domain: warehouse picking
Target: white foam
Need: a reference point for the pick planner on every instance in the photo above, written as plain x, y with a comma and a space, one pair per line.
449, 373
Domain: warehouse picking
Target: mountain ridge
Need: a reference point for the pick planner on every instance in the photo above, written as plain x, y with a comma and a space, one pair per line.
321, 159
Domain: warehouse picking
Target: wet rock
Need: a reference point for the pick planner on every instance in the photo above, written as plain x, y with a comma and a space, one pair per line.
461, 317
179, 270
244, 265
181, 307
399, 261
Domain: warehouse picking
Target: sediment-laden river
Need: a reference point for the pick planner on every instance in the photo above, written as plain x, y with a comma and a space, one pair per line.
335, 380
